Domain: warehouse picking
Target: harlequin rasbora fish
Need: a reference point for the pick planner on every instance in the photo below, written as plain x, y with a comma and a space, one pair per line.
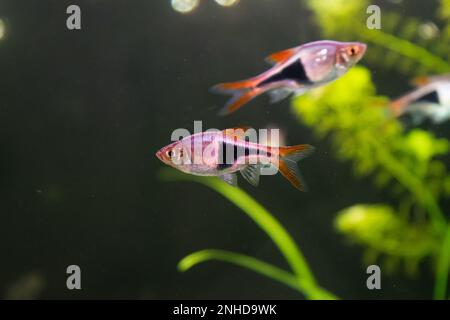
295, 71
224, 153
430, 100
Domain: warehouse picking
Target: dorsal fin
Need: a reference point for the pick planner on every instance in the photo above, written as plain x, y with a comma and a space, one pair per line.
237, 132
420, 81
281, 56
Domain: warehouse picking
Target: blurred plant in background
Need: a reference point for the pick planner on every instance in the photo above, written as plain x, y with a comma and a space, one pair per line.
444, 14
406, 163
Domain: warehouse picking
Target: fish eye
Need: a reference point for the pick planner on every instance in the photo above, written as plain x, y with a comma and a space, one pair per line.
352, 51
169, 153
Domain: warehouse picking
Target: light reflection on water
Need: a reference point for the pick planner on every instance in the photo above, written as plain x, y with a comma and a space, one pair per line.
186, 6
227, 3
2, 29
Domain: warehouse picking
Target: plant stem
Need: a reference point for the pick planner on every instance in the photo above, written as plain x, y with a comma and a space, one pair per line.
270, 225
443, 268
405, 48
267, 222
257, 266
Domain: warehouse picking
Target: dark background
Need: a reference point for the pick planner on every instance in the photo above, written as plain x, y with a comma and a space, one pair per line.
82, 114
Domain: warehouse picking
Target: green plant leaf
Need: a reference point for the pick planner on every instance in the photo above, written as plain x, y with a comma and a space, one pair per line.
443, 266
255, 265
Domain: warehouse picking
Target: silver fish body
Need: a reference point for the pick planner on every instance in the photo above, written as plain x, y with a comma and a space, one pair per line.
215, 154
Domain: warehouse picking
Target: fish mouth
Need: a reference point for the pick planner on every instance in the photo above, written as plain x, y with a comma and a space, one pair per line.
159, 154
363, 48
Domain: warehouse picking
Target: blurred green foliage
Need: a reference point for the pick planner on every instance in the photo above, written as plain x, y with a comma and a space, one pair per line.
381, 230
443, 13
408, 165
362, 130
444, 10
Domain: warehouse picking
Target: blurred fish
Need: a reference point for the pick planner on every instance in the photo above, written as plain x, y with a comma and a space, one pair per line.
431, 100
423, 80
295, 71
224, 153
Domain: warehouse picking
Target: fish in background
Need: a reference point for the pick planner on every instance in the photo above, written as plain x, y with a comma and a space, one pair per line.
294, 71
423, 80
430, 100
225, 153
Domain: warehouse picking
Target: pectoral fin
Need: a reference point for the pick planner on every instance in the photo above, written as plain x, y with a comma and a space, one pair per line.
230, 178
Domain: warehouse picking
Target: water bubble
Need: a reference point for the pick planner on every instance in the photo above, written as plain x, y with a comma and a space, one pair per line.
227, 3
184, 6
428, 30
2, 29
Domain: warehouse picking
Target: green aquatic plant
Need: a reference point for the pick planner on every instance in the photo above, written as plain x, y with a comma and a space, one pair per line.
407, 165
443, 11
299, 278
381, 230
353, 117
410, 164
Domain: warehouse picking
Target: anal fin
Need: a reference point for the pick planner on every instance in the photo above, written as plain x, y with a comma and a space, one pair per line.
300, 91
251, 173
277, 95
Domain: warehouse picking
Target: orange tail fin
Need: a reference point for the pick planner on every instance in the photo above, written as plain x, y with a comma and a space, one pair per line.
242, 91
289, 156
